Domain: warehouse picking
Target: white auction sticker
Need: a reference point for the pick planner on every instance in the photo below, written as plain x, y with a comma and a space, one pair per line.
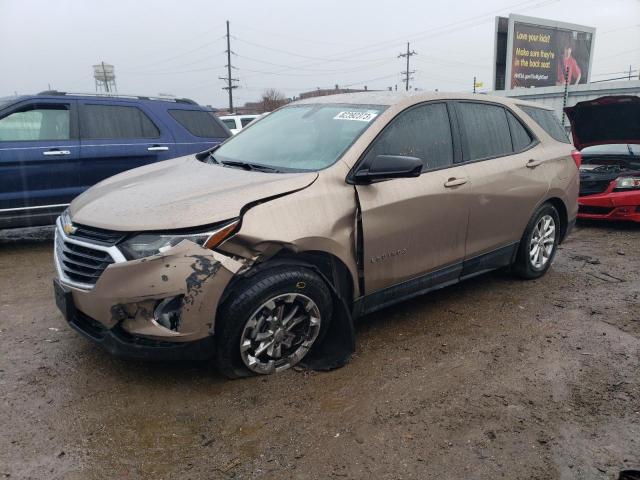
359, 116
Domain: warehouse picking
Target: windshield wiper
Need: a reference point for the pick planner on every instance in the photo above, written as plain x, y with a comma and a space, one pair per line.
248, 166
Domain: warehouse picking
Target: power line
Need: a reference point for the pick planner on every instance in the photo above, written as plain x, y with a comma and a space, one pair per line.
380, 61
319, 73
173, 57
626, 77
348, 55
613, 73
407, 73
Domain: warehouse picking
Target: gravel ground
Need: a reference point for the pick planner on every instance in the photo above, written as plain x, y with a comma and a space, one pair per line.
492, 378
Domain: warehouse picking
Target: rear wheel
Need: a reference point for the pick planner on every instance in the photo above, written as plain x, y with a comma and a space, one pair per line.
272, 322
539, 243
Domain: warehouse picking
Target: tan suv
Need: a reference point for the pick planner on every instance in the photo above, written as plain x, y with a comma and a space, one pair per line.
261, 252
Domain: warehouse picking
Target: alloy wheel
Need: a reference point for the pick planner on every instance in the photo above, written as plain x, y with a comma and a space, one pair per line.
279, 333
542, 243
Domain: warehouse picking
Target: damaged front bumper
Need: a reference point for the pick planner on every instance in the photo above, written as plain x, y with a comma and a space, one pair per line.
124, 309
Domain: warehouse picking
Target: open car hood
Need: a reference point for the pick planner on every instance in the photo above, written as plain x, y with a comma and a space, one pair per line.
605, 120
179, 193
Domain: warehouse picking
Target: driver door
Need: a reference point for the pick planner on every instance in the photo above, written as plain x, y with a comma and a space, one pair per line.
414, 229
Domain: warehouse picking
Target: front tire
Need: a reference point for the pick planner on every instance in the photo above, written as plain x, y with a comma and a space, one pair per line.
539, 243
271, 321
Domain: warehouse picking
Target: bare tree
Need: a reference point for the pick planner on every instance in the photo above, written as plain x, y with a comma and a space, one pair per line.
272, 99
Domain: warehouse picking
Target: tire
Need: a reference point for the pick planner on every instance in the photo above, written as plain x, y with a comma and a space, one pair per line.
255, 315
526, 265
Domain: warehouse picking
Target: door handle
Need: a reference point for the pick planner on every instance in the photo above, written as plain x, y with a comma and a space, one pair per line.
157, 148
533, 163
455, 182
56, 153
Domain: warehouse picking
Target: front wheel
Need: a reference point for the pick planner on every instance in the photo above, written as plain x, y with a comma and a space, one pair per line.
272, 322
539, 243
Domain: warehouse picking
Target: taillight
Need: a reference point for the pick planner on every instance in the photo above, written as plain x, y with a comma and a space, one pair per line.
577, 157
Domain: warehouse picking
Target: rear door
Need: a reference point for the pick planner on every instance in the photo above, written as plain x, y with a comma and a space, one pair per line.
39, 152
506, 166
413, 226
115, 137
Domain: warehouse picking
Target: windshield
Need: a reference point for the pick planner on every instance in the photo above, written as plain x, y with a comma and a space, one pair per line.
612, 149
299, 137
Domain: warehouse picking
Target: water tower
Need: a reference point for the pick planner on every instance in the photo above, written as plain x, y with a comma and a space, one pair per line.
105, 77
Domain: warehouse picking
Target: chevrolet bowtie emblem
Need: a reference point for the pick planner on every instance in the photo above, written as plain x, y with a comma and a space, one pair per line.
69, 229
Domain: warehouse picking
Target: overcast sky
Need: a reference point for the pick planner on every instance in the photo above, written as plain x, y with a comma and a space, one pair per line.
177, 47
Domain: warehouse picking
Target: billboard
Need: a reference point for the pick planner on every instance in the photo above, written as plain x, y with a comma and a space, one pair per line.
541, 53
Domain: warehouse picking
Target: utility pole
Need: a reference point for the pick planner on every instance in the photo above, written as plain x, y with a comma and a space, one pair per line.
229, 79
630, 67
407, 73
474, 84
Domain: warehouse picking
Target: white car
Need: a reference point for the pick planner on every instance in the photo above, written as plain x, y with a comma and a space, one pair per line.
235, 123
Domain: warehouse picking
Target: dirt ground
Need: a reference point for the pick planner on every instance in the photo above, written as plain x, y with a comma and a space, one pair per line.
492, 378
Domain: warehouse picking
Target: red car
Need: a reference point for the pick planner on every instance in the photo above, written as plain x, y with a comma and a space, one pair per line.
606, 131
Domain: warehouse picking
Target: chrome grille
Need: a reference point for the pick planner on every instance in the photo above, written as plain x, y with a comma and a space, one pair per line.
79, 263
97, 235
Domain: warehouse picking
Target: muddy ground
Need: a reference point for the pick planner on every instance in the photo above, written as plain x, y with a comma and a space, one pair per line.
493, 378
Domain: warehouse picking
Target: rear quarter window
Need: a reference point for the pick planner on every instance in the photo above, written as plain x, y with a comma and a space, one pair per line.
520, 137
199, 123
547, 121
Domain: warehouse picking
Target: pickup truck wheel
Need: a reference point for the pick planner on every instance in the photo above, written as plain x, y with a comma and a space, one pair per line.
539, 243
272, 322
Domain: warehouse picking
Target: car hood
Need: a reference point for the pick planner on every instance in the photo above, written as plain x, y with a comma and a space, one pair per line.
179, 193
605, 120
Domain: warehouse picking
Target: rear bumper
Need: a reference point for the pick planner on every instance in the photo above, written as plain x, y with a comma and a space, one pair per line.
614, 206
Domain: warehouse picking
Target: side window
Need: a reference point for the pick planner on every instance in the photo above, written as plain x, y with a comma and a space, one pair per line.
199, 123
102, 122
37, 122
423, 132
486, 131
519, 136
246, 121
548, 121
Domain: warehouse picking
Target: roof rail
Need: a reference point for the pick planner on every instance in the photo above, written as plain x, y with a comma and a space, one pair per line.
119, 95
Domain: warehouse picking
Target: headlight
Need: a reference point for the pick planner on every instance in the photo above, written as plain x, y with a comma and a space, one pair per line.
147, 244
628, 182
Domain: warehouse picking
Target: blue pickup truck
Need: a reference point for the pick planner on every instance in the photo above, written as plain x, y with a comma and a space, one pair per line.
54, 145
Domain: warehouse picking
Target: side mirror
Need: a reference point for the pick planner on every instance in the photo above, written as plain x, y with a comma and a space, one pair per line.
386, 167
